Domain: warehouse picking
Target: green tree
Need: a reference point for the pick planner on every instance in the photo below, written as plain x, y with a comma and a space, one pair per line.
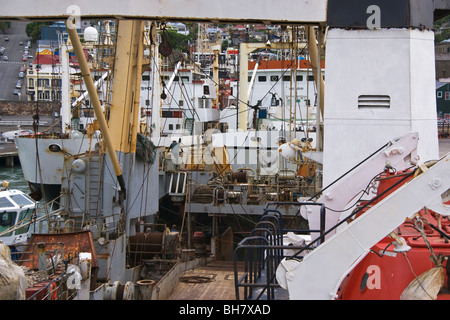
33, 29
4, 25
178, 41
442, 27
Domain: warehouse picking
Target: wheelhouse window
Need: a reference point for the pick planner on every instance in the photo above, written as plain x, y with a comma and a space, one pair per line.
7, 220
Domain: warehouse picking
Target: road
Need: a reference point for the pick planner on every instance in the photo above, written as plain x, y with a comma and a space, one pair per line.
444, 146
9, 70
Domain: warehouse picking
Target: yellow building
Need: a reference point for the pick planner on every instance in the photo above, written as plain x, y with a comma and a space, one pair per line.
43, 79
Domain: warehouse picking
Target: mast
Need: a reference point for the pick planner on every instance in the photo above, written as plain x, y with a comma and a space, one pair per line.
86, 73
127, 75
65, 82
314, 47
244, 50
156, 90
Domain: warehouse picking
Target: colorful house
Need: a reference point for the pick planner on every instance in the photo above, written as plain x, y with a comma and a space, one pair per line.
443, 100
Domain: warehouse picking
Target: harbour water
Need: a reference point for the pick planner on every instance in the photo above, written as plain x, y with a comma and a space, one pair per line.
14, 176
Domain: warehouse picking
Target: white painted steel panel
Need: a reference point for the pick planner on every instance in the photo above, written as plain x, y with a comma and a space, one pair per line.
287, 11
394, 62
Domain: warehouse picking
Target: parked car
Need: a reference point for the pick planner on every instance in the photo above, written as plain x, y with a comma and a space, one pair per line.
5, 58
9, 135
16, 92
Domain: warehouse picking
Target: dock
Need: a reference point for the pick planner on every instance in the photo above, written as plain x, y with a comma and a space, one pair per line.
8, 154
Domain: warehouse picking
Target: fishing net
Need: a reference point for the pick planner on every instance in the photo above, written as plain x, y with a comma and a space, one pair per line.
13, 281
145, 149
426, 286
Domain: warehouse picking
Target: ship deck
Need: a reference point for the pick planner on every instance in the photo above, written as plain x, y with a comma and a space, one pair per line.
214, 281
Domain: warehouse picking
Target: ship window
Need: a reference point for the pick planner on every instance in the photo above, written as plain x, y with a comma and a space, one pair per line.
185, 79
177, 114
262, 78
7, 219
299, 78
24, 217
439, 94
287, 78
203, 103
178, 126
310, 78
170, 126
21, 200
274, 78
146, 78
206, 90
374, 101
274, 102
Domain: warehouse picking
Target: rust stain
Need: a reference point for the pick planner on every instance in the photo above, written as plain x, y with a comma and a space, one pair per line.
73, 243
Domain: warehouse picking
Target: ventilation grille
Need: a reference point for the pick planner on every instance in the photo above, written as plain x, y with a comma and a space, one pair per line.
374, 102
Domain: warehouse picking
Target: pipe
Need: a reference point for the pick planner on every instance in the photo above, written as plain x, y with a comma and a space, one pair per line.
86, 74
243, 87
316, 65
252, 81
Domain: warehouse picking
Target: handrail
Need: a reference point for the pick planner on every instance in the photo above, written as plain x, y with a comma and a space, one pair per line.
264, 250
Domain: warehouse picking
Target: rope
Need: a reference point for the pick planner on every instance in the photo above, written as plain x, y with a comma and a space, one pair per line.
416, 277
419, 225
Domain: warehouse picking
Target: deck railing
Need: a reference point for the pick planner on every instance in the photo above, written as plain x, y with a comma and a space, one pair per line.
263, 251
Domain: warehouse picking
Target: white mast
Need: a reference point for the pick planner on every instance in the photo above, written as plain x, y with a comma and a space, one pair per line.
65, 86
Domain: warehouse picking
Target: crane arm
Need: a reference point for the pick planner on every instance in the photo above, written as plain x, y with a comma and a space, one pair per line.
320, 273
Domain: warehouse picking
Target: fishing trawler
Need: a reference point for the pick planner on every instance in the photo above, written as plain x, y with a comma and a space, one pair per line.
130, 243
76, 119
17, 208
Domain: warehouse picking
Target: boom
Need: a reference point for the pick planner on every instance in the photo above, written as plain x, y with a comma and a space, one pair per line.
318, 276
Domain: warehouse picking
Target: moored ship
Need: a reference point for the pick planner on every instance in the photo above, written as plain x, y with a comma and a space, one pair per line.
126, 229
